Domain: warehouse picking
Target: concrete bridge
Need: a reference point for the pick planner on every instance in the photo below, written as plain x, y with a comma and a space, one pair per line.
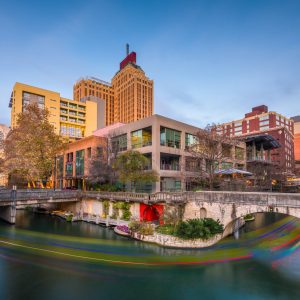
10, 200
225, 206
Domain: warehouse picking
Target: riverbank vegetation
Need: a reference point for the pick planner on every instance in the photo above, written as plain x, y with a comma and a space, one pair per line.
190, 229
193, 229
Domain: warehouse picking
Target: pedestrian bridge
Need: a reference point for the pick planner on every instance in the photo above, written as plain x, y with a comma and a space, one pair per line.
223, 205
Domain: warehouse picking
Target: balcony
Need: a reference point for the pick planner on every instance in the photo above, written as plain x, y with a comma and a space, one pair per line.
169, 162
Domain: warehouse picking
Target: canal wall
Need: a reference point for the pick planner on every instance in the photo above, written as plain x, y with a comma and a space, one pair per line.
175, 242
96, 208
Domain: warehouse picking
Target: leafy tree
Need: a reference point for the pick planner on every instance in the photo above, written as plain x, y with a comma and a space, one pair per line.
30, 148
131, 166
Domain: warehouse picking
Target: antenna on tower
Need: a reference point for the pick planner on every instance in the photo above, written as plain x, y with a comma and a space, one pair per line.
127, 49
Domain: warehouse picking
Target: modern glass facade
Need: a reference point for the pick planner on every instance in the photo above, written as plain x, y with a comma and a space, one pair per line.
170, 137
71, 131
80, 163
141, 138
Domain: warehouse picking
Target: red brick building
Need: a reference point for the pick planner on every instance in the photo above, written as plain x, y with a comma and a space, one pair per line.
297, 144
261, 121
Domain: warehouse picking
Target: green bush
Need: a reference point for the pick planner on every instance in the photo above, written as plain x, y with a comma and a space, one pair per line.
198, 228
125, 206
165, 229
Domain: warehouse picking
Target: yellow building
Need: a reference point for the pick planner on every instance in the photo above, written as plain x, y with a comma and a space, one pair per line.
128, 98
72, 119
94, 87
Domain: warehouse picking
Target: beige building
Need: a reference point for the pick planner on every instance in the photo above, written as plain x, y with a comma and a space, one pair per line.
3, 133
129, 96
71, 119
164, 141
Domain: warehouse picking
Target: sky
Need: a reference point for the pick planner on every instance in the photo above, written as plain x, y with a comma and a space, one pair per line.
211, 61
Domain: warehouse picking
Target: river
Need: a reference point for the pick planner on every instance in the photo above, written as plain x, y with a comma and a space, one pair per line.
44, 257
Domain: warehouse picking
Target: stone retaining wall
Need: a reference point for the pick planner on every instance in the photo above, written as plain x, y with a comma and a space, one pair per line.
172, 241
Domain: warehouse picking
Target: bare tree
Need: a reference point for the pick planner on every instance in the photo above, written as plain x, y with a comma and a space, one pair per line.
100, 165
210, 149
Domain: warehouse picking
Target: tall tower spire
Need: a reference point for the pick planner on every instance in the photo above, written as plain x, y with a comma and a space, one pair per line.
127, 49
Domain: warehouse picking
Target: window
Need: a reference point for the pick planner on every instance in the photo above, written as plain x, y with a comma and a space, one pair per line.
263, 118
69, 164
141, 138
190, 140
170, 137
169, 162
119, 143
80, 163
29, 98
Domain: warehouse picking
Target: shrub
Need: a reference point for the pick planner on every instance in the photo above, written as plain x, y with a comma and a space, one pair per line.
125, 206
198, 228
141, 227
165, 229
135, 226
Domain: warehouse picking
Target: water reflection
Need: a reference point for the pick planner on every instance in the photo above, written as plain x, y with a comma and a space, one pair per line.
29, 270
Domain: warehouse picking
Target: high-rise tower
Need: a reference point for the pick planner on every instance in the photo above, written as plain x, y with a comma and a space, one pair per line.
128, 98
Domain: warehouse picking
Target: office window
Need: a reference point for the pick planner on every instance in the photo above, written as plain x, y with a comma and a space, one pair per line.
141, 138
80, 163
190, 140
170, 137
119, 143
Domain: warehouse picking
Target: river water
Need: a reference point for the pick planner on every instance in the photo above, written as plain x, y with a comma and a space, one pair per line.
44, 257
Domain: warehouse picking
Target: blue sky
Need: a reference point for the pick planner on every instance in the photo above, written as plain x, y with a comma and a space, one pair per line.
211, 61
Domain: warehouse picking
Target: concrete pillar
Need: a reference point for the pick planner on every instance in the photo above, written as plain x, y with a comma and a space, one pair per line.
8, 214
156, 152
